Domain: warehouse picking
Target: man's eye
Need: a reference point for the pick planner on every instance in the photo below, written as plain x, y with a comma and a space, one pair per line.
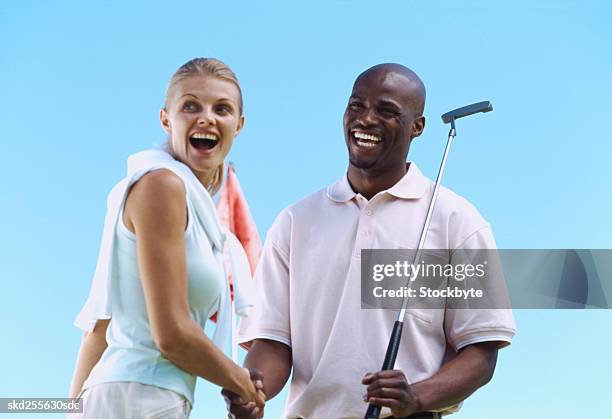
388, 112
355, 106
190, 106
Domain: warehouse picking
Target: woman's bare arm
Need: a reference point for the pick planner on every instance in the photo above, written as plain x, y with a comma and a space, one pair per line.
156, 211
92, 346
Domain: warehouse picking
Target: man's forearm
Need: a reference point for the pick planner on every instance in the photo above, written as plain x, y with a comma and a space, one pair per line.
456, 380
274, 361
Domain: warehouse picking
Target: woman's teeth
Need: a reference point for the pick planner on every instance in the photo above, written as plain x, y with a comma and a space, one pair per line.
203, 136
204, 141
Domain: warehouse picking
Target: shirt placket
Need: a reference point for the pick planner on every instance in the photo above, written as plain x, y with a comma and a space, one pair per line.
365, 227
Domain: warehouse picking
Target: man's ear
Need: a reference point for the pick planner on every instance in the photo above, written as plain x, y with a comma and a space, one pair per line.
239, 126
165, 121
418, 125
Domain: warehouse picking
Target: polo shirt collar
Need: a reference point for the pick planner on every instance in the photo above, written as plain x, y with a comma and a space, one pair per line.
413, 185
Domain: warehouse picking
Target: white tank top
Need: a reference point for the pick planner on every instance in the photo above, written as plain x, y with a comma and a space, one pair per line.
131, 354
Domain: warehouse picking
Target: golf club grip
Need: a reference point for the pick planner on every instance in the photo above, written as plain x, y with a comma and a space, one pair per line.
373, 411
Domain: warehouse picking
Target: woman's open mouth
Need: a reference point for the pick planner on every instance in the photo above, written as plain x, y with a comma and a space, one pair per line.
204, 141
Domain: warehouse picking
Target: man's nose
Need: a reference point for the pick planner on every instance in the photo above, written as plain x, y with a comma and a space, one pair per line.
367, 117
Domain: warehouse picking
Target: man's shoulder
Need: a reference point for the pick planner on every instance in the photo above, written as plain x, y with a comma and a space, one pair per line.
304, 212
461, 218
307, 206
451, 203
454, 216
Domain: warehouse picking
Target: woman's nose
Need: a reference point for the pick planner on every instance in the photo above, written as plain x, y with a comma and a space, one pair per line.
206, 117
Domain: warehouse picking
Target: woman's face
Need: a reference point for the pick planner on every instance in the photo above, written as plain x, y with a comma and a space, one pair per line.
202, 117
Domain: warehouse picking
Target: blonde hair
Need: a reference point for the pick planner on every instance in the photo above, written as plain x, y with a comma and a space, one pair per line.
206, 67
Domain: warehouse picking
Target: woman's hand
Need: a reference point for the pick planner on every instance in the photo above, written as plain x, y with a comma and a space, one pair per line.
252, 392
239, 405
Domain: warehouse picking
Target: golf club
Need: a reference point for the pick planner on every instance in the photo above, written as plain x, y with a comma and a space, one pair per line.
467, 110
373, 411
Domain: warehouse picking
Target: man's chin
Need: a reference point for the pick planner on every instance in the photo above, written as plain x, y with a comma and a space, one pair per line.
361, 163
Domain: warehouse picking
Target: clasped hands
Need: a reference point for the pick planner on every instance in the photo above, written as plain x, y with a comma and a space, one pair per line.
384, 388
238, 407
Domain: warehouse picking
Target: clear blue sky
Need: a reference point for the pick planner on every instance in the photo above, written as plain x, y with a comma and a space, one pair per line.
82, 83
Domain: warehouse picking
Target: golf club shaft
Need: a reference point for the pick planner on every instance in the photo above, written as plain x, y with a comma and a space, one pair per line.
432, 203
373, 411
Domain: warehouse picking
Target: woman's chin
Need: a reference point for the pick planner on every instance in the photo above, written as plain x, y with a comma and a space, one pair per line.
203, 161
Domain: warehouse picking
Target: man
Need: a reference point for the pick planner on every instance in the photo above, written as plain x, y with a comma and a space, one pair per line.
310, 319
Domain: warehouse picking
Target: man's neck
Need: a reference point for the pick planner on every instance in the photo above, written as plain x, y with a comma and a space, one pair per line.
368, 183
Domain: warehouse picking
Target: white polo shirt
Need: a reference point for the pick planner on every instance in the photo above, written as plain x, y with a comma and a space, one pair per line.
308, 282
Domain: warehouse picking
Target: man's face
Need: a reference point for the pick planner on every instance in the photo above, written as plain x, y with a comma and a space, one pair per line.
380, 120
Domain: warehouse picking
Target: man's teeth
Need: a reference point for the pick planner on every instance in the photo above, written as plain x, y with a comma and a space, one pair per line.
364, 136
364, 144
202, 136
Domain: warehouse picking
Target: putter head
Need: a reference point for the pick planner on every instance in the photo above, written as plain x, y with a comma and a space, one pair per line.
449, 117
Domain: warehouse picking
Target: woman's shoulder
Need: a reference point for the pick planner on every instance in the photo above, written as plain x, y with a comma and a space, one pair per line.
161, 180
161, 187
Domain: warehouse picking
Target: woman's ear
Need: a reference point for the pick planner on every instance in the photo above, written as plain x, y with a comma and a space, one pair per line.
165, 121
239, 126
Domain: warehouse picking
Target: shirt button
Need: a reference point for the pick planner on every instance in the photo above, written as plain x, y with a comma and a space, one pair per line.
369, 212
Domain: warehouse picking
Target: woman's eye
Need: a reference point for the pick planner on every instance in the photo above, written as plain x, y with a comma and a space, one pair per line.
224, 109
190, 106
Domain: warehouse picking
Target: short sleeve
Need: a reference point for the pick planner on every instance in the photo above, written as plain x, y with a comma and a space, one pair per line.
270, 317
464, 327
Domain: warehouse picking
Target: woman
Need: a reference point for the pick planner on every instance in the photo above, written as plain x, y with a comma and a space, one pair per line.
160, 272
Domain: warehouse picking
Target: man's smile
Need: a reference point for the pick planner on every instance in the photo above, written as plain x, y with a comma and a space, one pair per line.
365, 139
